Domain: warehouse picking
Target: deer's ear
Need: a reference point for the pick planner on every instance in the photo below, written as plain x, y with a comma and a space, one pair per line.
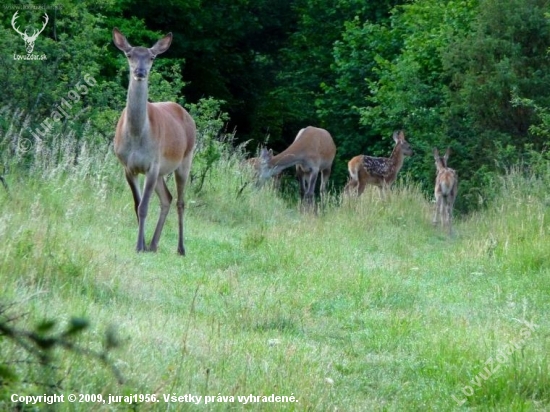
266, 155
436, 153
120, 41
162, 45
446, 157
398, 136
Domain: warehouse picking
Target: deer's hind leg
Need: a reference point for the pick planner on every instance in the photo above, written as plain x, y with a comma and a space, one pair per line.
361, 181
449, 215
182, 176
325, 175
436, 210
350, 186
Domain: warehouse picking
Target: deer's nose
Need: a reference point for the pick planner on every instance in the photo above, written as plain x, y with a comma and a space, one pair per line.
140, 73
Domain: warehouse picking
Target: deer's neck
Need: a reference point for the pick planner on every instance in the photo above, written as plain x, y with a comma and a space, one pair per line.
136, 107
396, 158
284, 160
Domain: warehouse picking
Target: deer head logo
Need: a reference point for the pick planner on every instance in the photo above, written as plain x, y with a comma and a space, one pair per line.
29, 40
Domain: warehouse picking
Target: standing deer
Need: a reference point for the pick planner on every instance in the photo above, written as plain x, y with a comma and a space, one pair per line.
446, 188
153, 139
378, 171
312, 152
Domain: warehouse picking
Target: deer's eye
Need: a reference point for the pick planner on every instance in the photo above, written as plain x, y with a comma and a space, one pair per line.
128, 55
152, 58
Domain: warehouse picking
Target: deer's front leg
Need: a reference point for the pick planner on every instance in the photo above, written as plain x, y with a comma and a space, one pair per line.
309, 197
134, 187
150, 183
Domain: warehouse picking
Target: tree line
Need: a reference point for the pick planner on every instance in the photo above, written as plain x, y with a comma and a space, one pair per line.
472, 75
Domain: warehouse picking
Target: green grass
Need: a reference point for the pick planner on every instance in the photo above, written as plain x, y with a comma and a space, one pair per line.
364, 307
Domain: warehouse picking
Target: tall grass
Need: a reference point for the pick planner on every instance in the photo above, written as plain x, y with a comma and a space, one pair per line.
363, 306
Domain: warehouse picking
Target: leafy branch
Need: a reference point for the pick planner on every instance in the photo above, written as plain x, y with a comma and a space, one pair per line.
41, 341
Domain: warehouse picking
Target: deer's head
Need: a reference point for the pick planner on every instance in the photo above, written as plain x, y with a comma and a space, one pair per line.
441, 162
264, 165
399, 138
140, 59
29, 40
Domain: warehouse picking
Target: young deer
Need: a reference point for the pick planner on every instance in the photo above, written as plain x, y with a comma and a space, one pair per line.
153, 139
446, 188
377, 171
312, 152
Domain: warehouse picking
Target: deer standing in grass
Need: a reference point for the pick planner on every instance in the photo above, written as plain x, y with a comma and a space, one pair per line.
153, 139
378, 171
446, 188
312, 152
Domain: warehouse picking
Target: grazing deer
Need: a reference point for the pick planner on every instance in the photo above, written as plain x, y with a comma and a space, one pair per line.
378, 171
446, 188
312, 152
153, 139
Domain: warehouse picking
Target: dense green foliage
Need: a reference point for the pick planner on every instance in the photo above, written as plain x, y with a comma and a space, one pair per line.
469, 74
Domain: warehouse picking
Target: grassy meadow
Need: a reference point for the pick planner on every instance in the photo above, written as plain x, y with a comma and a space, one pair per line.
364, 307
